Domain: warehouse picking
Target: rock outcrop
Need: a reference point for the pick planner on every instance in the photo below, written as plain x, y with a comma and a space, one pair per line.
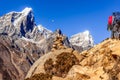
57, 62
102, 62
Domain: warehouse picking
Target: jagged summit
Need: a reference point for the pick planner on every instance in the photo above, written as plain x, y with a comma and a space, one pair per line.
22, 24
24, 11
82, 39
86, 32
27, 10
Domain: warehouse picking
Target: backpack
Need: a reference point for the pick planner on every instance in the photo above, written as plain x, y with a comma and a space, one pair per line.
116, 17
110, 20
110, 23
113, 20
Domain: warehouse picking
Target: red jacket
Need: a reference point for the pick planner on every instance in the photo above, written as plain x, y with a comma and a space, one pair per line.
110, 20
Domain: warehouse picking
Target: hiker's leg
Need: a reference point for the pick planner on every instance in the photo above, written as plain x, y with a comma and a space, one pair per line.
118, 33
119, 30
112, 34
119, 36
115, 35
115, 31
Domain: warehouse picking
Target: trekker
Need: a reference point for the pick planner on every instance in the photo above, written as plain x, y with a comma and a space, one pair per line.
114, 25
110, 26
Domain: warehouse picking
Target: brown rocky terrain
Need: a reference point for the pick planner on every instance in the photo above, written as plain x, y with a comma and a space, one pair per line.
17, 56
15, 60
102, 62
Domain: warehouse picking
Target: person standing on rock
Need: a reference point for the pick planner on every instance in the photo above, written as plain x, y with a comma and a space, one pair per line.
110, 26
114, 25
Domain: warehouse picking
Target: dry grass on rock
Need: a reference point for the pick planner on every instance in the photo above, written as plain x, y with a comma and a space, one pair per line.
40, 76
62, 65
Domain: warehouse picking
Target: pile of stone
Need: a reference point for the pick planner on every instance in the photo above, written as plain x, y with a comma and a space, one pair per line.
58, 43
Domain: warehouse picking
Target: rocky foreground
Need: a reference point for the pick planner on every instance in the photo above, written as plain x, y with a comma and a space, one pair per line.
102, 62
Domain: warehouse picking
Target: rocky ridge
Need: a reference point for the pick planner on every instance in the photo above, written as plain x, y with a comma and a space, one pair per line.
58, 48
102, 62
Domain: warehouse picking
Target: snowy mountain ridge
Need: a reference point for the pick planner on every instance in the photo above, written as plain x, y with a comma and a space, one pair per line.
82, 39
22, 25
26, 12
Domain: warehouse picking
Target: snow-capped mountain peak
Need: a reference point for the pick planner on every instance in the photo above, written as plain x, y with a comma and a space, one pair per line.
82, 39
26, 11
20, 24
86, 32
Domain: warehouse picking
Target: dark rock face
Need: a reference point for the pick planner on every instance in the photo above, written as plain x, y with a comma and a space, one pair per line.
16, 60
8, 66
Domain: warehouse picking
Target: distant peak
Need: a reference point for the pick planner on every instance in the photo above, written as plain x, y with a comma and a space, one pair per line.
27, 10
86, 32
83, 39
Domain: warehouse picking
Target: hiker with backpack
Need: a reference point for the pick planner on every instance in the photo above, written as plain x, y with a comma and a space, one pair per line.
114, 25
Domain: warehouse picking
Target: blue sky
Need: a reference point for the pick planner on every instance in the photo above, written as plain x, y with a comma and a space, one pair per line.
71, 16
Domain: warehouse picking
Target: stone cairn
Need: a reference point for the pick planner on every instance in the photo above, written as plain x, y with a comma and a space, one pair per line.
58, 43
